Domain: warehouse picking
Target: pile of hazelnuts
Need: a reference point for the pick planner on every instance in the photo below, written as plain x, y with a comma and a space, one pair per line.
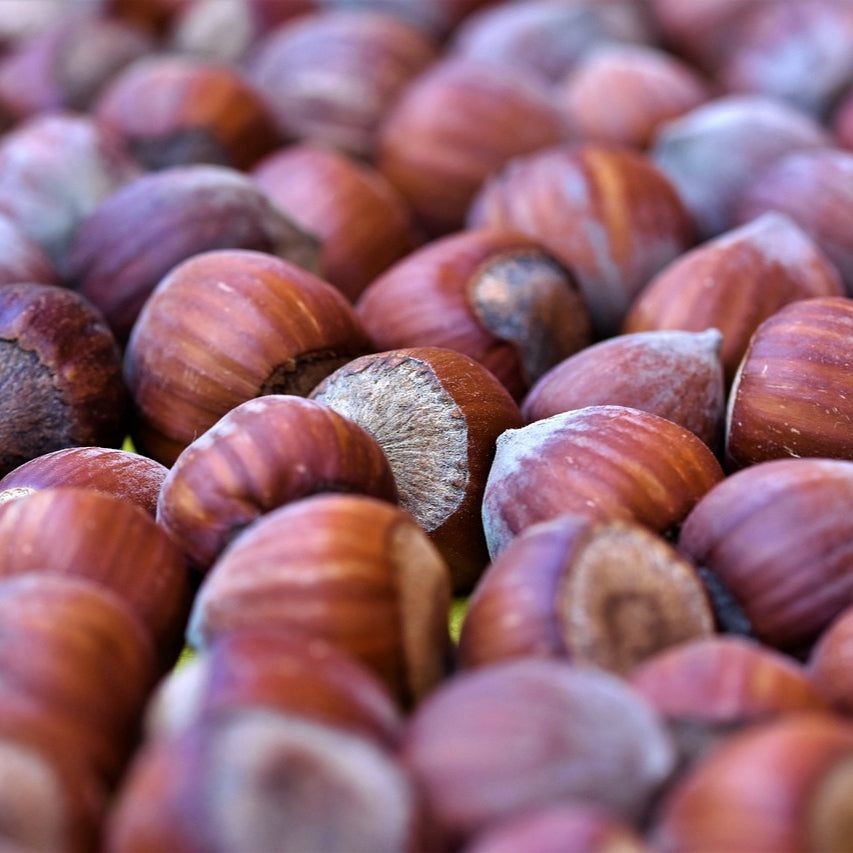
426, 426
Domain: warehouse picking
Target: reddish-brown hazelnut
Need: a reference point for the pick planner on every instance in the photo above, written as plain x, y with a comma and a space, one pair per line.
734, 282
226, 326
118, 472
815, 189
177, 109
71, 530
549, 37
437, 414
741, 134
799, 52
779, 786
55, 167
453, 126
332, 75
350, 569
778, 536
279, 668
605, 211
793, 393
88, 661
21, 258
67, 64
61, 374
602, 462
491, 744
604, 594
138, 233
675, 374
263, 780
709, 687
702, 31
495, 295
262, 454
362, 221
622, 93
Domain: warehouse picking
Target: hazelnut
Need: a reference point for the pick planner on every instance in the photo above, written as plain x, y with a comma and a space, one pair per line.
815, 189
790, 395
742, 135
549, 37
138, 233
708, 688
277, 668
89, 662
735, 281
361, 220
116, 471
264, 780
66, 64
260, 455
797, 52
330, 76
565, 733
604, 594
55, 167
350, 569
453, 126
178, 109
226, 326
602, 462
437, 414
107, 540
783, 785
496, 295
621, 94
606, 212
61, 373
776, 535
675, 374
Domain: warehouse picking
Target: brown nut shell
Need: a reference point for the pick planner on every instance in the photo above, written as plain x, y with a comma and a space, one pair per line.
174, 109
140, 232
604, 594
778, 536
350, 569
498, 296
565, 733
793, 393
108, 540
734, 282
262, 454
602, 462
781, 786
277, 668
457, 123
119, 472
675, 374
829, 662
61, 373
607, 212
437, 414
272, 328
